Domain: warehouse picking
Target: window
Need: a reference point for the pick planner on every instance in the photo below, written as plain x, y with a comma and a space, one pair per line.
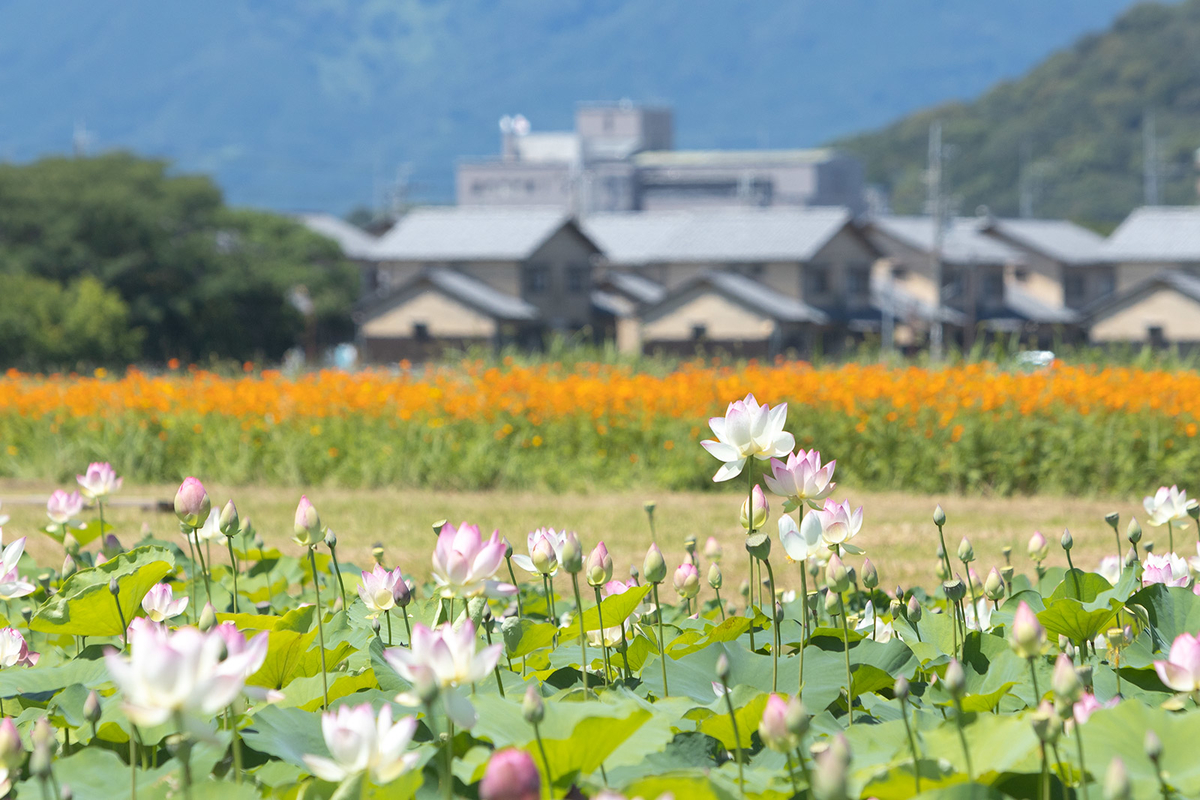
858, 281
577, 279
1105, 284
1073, 288
1156, 336
699, 332
536, 278
421, 331
899, 273
993, 286
817, 277
1021, 274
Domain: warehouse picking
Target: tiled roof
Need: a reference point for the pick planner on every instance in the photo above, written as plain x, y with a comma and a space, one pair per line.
1059, 239
467, 290
469, 234
963, 243
1168, 234
750, 293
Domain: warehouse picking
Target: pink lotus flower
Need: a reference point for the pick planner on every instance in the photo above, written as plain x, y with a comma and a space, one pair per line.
448, 659
773, 729
160, 603
510, 775
380, 589
1087, 704
62, 507
687, 581
361, 742
802, 479
599, 566
1167, 569
747, 430
1028, 637
464, 563
13, 650
839, 524
1181, 670
12, 585
99, 481
545, 546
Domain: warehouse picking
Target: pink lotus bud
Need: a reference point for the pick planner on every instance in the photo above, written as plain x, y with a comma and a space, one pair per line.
836, 578
761, 510
191, 503
774, 729
1028, 635
712, 549
307, 528
654, 567
1066, 682
687, 581
510, 775
11, 749
1038, 548
599, 566
543, 556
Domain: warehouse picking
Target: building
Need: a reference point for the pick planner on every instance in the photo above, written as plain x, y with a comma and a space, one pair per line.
1153, 239
1161, 310
1064, 262
442, 277
621, 157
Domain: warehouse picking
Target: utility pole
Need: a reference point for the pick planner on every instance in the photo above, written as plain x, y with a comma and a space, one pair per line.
1149, 160
934, 204
1025, 181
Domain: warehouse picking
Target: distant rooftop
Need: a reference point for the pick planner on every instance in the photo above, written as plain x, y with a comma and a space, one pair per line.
1169, 234
354, 241
963, 242
1059, 239
731, 158
469, 233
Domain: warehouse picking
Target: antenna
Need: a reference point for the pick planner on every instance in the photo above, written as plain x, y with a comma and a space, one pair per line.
81, 140
520, 125
1150, 168
935, 207
1025, 181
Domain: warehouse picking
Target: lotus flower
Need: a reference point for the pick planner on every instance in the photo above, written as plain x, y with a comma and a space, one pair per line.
1181, 670
306, 527
687, 581
244, 657
599, 566
839, 524
979, 616
209, 531
802, 478
3, 517
1087, 704
773, 729
12, 753
13, 650
869, 625
803, 542
160, 603
1110, 569
99, 481
712, 549
12, 585
361, 742
537, 543
464, 563
447, 658
510, 775
1028, 636
178, 672
1168, 569
747, 430
1167, 505
1038, 548
381, 589
62, 507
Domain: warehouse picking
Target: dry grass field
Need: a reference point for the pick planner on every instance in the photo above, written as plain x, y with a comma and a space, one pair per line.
898, 533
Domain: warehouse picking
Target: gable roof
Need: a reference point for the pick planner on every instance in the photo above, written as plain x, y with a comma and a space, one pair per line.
715, 236
470, 234
1185, 284
962, 242
1057, 239
1028, 307
1168, 234
469, 291
748, 293
637, 287
354, 241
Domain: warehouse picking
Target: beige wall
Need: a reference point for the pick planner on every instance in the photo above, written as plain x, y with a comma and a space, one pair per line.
1043, 278
722, 318
629, 335
444, 317
1177, 314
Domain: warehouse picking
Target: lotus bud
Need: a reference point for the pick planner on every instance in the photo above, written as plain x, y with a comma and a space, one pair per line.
1148, 546
939, 516
1153, 746
191, 503
69, 567
772, 729
830, 776
1066, 682
836, 578
1067, 541
689, 544
940, 570
43, 749
687, 581
814, 569
653, 566
208, 618
246, 527
852, 574
330, 539
599, 566
510, 630
833, 604
941, 551
375, 626
229, 522
714, 575
1131, 557
633, 574
913, 610
1116, 781
993, 587
1193, 510
870, 576
1038, 548
744, 588
649, 506
114, 587
712, 549
1027, 636
377, 553
966, 553
895, 608
758, 501
91, 707
1046, 723
901, 689
955, 589
778, 613
11, 749
1006, 572
797, 718
955, 679
71, 544
723, 668
572, 554
510, 775
1006, 551
533, 709
307, 524
1067, 649
545, 560
1134, 531
508, 550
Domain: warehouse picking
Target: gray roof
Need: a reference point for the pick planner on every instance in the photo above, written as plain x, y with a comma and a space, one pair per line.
637, 287
1058, 239
467, 290
1185, 284
1166, 234
612, 303
469, 234
716, 236
354, 241
1029, 307
963, 243
750, 293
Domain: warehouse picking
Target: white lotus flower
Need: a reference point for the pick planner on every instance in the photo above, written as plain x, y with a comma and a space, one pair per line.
748, 430
882, 630
210, 531
447, 658
361, 742
1168, 505
3, 517
160, 603
12, 585
555, 539
380, 589
979, 618
99, 481
803, 542
14, 651
1110, 569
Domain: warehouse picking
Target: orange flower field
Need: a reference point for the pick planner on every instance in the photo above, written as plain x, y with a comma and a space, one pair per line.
471, 425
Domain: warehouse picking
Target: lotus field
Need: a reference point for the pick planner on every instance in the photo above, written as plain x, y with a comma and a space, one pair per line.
217, 660
973, 427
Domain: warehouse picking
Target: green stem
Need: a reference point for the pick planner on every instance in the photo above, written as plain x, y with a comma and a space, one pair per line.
537, 734
407, 627
945, 553
487, 630
388, 614
185, 758
750, 530
132, 764
1044, 786
337, 571
804, 767
737, 740
720, 605
448, 786
1037, 694
1075, 578
583, 662
912, 745
774, 626
124, 627
849, 678
603, 637
513, 577
312, 560
803, 622
962, 738
792, 776
204, 571
237, 745
624, 653
1170, 536
233, 565
189, 535
1083, 782
662, 644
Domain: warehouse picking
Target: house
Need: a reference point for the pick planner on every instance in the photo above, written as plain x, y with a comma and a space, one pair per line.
1064, 263
1160, 310
356, 244
482, 259
1153, 239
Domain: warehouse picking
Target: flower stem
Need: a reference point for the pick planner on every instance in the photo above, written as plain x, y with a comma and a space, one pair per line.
912, 745
792, 776
312, 560
407, 627
1037, 694
189, 534
603, 639
233, 564
448, 785
775, 628
1044, 787
737, 740
962, 738
1170, 536
1082, 766
513, 577
583, 662
204, 572
720, 605
337, 571
945, 553
750, 530
132, 764
804, 767
488, 632
185, 757
537, 734
662, 644
237, 745
803, 621
388, 614
1075, 578
849, 678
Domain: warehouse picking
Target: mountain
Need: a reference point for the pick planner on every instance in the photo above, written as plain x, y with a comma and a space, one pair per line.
1078, 122
317, 103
